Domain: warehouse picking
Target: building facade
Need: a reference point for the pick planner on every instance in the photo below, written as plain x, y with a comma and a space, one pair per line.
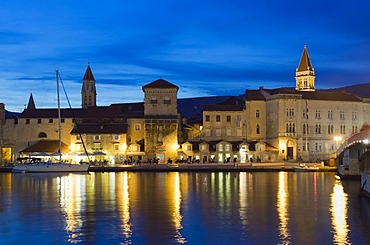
299, 123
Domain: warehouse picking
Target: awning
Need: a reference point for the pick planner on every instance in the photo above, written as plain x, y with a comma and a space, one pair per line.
45, 146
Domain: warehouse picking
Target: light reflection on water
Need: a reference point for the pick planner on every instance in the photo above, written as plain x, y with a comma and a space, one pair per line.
338, 209
282, 208
177, 208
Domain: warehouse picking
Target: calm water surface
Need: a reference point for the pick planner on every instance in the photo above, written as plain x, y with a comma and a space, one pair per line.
176, 208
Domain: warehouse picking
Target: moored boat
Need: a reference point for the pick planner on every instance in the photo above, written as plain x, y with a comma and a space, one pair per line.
46, 167
305, 168
34, 165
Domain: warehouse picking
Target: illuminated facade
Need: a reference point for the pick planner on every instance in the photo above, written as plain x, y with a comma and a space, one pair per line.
268, 125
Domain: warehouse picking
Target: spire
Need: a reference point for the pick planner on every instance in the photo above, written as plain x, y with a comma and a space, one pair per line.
88, 91
31, 103
305, 62
88, 74
305, 74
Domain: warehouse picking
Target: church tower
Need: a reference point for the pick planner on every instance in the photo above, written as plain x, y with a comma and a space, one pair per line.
305, 74
88, 91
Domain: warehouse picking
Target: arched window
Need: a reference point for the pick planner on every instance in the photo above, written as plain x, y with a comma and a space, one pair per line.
42, 135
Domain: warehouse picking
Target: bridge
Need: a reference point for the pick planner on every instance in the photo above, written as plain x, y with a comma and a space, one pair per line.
353, 158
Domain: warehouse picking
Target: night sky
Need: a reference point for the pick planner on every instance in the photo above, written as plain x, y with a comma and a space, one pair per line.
207, 48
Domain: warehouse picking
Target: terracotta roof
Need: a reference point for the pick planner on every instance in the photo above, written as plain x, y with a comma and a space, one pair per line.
48, 146
230, 104
160, 83
99, 128
254, 95
317, 94
305, 62
51, 113
88, 74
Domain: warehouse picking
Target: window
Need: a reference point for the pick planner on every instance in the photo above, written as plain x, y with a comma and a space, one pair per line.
220, 147
51, 120
330, 115
228, 118
238, 121
96, 137
318, 147
330, 129
318, 129
42, 135
354, 115
228, 132
305, 129
203, 147
354, 129
341, 115
257, 113
39, 121
258, 129
188, 147
227, 147
116, 137
208, 132
78, 137
290, 112
62, 120
290, 127
167, 101
218, 132
218, 118
318, 114
305, 113
153, 100
137, 127
306, 146
28, 121
208, 118
116, 147
342, 129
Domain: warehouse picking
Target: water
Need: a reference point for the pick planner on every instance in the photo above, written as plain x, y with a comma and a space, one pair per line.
176, 208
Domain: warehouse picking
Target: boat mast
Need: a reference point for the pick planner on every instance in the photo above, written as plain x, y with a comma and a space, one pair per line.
59, 116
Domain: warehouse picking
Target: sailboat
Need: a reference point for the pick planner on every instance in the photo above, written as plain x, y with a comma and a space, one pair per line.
51, 167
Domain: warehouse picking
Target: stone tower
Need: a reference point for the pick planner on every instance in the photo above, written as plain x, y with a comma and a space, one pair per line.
305, 74
161, 120
88, 92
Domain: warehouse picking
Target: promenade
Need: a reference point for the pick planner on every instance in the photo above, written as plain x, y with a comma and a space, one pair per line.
200, 167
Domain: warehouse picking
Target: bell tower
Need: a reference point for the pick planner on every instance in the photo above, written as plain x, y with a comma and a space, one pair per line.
88, 92
305, 74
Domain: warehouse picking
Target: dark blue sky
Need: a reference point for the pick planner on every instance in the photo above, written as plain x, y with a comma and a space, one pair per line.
206, 47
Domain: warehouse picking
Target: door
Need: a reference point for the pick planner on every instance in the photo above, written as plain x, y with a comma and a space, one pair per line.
289, 153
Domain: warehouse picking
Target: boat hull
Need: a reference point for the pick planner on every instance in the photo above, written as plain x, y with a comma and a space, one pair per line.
50, 168
305, 169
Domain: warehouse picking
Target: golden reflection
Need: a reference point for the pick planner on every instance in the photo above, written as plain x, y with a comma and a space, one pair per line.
338, 209
282, 208
70, 188
177, 217
125, 205
243, 196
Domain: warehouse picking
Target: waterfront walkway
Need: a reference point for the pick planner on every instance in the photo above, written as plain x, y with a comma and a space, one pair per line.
205, 167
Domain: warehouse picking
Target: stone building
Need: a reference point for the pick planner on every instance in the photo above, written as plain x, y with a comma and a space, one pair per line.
299, 123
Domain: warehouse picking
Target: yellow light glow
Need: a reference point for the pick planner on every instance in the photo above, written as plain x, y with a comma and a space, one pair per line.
339, 209
282, 208
337, 138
